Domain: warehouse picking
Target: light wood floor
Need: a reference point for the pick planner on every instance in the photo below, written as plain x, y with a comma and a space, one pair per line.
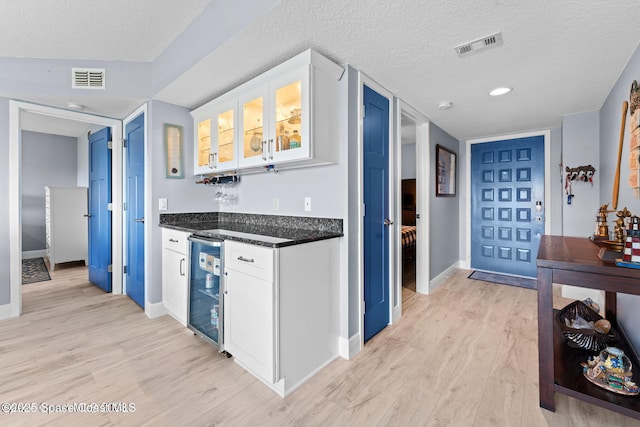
464, 356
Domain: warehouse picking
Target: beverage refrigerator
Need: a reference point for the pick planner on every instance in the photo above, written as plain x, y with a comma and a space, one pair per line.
205, 312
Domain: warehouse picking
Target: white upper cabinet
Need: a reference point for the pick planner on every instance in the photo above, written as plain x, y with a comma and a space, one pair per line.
287, 116
216, 137
275, 121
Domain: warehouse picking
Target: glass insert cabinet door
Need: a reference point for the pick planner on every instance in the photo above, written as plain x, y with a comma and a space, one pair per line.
204, 143
253, 132
288, 117
273, 122
225, 152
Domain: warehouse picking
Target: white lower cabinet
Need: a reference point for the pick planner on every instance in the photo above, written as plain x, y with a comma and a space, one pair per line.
174, 273
281, 310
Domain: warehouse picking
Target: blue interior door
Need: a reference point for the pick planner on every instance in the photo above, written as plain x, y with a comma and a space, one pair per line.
99, 213
134, 277
507, 205
376, 200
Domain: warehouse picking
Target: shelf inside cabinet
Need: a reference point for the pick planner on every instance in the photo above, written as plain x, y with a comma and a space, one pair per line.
569, 379
209, 293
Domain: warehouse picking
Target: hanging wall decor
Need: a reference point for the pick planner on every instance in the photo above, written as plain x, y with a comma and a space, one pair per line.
174, 163
579, 174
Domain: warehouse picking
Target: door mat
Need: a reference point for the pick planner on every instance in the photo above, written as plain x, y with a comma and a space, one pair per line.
504, 279
34, 270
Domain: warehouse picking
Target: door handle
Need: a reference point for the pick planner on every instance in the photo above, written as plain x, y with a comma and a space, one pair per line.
210, 160
139, 220
388, 222
87, 215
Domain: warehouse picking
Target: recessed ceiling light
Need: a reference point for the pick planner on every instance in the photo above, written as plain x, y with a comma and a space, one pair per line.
500, 91
75, 106
445, 105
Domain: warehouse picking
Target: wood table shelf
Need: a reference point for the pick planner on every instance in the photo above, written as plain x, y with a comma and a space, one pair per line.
574, 261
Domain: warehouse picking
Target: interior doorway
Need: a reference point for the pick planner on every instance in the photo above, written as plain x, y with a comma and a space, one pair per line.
412, 204
408, 202
19, 113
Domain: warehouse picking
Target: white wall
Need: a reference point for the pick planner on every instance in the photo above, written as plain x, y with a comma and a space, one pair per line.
408, 154
580, 148
47, 160
5, 285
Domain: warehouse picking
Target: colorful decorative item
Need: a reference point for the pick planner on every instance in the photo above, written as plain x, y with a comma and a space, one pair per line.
611, 370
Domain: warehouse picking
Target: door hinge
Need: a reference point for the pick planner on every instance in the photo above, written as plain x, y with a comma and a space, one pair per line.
124, 269
110, 268
109, 206
124, 143
364, 210
363, 111
364, 307
110, 145
124, 206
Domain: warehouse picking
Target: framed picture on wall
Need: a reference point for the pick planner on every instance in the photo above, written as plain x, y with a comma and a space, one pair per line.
173, 151
445, 172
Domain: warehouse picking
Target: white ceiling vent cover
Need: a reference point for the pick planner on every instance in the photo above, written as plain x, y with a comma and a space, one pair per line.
482, 43
87, 78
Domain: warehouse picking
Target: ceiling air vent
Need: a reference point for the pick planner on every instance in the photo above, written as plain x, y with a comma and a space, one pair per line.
87, 78
482, 43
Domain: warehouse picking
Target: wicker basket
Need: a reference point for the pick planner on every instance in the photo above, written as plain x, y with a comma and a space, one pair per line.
583, 338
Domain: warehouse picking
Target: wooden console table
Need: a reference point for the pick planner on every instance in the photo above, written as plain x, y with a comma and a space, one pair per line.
574, 261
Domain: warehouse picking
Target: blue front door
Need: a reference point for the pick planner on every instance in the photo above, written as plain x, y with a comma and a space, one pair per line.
376, 200
99, 213
507, 205
134, 277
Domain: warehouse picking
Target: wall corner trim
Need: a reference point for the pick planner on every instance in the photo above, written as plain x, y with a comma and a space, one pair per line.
442, 277
155, 310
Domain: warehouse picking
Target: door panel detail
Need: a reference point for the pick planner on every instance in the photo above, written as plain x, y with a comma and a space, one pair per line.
376, 198
517, 165
99, 216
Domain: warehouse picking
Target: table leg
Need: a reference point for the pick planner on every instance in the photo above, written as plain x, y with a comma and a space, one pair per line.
611, 307
545, 339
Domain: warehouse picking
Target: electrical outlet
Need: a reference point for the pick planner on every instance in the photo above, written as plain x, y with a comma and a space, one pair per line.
307, 204
162, 204
276, 204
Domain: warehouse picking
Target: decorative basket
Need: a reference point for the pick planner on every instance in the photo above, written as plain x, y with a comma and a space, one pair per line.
583, 338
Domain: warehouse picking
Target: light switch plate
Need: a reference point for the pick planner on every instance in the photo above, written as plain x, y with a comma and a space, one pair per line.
162, 204
307, 204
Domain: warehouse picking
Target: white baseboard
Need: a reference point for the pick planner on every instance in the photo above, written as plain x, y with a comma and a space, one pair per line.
348, 348
5, 311
154, 310
442, 277
40, 253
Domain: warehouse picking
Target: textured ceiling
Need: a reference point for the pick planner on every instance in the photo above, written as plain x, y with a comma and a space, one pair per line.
560, 57
125, 30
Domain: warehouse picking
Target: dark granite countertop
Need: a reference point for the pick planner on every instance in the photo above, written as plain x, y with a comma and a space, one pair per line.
264, 230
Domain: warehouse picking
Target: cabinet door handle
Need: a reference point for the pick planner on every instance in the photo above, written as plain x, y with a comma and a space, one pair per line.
264, 151
173, 240
215, 160
271, 148
182, 262
210, 160
243, 259
87, 215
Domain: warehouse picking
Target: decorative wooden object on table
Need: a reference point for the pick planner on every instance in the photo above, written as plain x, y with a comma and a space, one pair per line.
574, 261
